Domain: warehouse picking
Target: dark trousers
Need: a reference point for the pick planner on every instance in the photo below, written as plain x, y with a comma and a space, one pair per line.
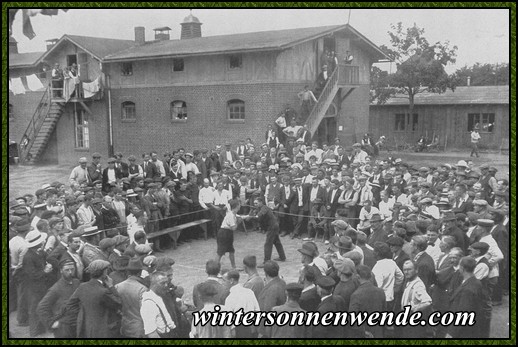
34, 296
301, 222
272, 239
22, 307
474, 149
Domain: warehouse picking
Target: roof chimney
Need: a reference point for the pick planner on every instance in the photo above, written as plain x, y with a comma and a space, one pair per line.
191, 27
50, 43
13, 45
162, 34
468, 83
140, 35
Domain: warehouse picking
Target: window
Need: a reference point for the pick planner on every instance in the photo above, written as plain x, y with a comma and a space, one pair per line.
128, 111
82, 133
11, 111
236, 61
484, 121
236, 110
126, 69
178, 110
405, 122
178, 65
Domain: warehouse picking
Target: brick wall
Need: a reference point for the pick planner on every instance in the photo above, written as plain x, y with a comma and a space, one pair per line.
207, 123
354, 116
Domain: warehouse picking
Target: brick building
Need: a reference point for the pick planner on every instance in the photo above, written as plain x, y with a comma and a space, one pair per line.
199, 91
450, 115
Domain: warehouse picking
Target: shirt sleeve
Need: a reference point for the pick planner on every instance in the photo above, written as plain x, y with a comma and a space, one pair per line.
149, 312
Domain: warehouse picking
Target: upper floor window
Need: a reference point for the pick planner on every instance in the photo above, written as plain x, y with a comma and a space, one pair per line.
484, 121
178, 65
126, 69
236, 109
178, 110
128, 111
236, 61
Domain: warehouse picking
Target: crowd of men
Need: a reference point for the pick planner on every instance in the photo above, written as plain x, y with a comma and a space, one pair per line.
376, 235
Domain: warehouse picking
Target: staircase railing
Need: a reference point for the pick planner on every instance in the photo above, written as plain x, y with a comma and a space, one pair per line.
332, 81
34, 125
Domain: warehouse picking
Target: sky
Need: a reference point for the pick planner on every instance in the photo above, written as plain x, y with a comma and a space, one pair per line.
481, 35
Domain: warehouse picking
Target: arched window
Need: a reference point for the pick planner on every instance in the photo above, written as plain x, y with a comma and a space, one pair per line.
236, 109
128, 111
178, 110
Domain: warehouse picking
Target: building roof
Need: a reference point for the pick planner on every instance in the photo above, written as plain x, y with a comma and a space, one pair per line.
472, 95
22, 60
247, 42
190, 19
97, 46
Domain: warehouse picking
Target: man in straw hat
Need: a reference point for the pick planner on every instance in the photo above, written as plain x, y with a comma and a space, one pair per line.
36, 272
50, 309
98, 302
17, 250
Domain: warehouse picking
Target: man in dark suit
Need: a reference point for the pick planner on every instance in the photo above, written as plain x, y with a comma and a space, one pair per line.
302, 207
450, 221
329, 303
305, 135
150, 169
424, 263
463, 203
122, 166
468, 297
94, 168
274, 291
288, 196
369, 257
111, 175
228, 155
309, 299
332, 203
321, 81
367, 298
396, 247
348, 158
287, 331
97, 302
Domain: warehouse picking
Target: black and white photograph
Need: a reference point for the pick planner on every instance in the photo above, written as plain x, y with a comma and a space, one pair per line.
258, 173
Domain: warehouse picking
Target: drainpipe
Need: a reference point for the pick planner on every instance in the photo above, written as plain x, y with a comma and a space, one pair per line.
110, 120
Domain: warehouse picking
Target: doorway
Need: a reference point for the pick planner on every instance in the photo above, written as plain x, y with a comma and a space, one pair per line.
71, 59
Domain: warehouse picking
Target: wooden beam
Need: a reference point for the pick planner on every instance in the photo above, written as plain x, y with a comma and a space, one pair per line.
87, 109
346, 95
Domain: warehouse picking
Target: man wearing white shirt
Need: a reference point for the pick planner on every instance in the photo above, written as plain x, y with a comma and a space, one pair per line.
240, 298
154, 314
385, 206
80, 173
189, 166
434, 248
85, 214
317, 152
478, 252
386, 272
494, 255
360, 156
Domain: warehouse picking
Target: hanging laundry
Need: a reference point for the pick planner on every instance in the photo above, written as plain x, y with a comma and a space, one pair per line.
17, 86
34, 83
69, 86
91, 88
27, 26
11, 87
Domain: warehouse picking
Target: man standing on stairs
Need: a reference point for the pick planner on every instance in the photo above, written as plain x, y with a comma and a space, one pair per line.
94, 169
321, 81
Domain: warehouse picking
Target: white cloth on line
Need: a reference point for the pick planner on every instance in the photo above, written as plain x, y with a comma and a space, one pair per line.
34, 83
17, 86
90, 89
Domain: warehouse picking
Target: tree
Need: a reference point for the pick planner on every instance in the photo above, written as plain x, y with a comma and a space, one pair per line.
420, 66
483, 75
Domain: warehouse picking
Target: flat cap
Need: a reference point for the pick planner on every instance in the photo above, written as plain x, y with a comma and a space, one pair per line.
111, 160
481, 246
107, 243
344, 266
340, 224
120, 239
97, 265
480, 202
488, 223
325, 282
395, 241
83, 160
294, 287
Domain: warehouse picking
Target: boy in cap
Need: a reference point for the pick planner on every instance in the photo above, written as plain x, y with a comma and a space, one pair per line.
293, 294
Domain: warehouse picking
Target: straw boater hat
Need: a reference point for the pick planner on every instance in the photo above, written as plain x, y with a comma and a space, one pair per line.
35, 238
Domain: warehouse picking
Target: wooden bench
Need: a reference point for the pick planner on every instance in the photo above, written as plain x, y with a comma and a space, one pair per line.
176, 231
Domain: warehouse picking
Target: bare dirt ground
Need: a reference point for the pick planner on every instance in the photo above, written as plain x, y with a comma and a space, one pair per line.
191, 256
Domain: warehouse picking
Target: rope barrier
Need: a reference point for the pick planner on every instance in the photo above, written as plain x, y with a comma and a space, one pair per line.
303, 216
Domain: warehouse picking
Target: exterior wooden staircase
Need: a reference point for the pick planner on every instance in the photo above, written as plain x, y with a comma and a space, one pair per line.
342, 76
40, 128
